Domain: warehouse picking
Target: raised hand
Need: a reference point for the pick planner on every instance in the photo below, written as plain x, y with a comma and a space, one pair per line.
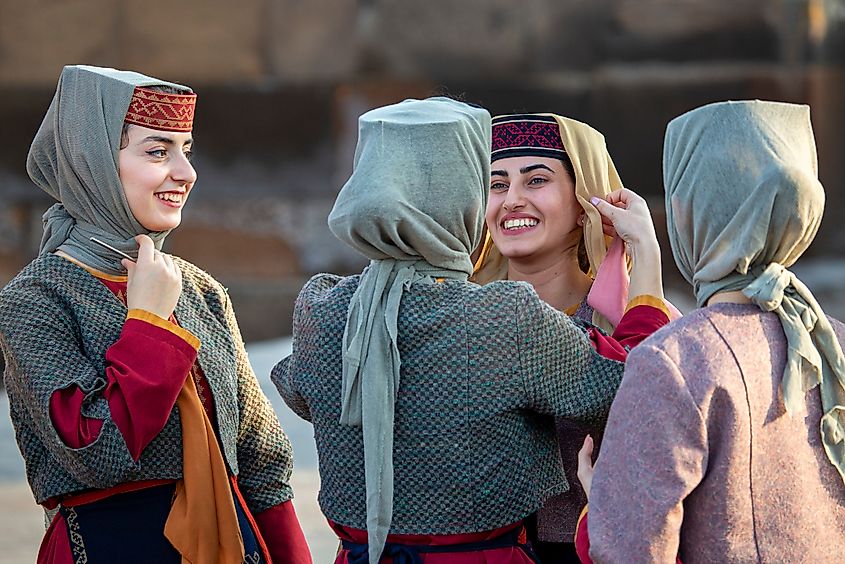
625, 213
155, 282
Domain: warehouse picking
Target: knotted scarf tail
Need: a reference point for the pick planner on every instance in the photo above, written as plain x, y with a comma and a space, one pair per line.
202, 524
814, 355
833, 422
833, 437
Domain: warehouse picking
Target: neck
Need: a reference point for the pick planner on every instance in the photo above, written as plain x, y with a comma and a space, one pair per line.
559, 282
732, 297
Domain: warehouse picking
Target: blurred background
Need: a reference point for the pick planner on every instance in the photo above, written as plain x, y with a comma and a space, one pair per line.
282, 82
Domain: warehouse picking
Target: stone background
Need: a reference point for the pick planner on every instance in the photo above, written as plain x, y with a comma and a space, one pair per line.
281, 83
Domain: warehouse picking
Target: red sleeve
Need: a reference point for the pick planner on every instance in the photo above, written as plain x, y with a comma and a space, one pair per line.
582, 538
145, 369
640, 321
283, 535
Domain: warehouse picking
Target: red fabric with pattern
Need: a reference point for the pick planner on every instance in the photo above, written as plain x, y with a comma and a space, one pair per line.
162, 111
526, 134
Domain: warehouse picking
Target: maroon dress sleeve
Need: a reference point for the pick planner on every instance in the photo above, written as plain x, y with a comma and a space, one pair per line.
582, 537
145, 369
279, 526
644, 316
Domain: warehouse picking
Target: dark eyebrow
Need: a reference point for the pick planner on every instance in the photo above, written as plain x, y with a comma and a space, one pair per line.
529, 168
499, 173
166, 140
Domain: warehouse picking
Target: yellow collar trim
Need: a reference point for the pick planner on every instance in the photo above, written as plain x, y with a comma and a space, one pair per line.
93, 271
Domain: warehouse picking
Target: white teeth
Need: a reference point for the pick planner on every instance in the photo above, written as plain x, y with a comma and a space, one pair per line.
519, 223
169, 196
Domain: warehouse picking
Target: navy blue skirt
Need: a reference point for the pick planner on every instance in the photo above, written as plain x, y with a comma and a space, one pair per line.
129, 528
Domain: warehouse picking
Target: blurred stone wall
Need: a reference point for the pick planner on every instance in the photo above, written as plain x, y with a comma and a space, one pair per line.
282, 82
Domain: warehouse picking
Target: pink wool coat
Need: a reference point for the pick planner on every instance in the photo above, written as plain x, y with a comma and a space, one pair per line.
699, 458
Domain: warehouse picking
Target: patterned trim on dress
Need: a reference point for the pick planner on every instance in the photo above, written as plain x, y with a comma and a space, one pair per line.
77, 544
159, 110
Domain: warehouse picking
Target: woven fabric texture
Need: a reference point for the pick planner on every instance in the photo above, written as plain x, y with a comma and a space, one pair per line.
56, 323
484, 369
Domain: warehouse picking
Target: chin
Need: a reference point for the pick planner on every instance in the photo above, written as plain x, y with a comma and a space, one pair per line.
514, 252
162, 224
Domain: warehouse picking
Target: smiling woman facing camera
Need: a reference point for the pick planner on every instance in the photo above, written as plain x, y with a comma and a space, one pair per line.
134, 404
543, 228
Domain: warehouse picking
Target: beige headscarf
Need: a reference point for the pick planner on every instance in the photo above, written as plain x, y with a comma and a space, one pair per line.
595, 175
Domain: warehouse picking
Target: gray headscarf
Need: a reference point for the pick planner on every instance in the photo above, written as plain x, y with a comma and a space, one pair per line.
743, 202
74, 159
415, 206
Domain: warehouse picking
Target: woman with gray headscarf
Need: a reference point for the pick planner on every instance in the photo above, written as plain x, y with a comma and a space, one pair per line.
726, 440
431, 396
137, 413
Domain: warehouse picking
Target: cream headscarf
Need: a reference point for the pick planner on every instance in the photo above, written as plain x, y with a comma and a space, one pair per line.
743, 202
595, 175
414, 205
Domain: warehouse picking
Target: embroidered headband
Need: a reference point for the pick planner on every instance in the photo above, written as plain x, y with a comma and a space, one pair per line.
160, 110
520, 135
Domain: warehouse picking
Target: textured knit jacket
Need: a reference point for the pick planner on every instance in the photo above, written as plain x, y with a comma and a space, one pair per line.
56, 323
700, 459
483, 371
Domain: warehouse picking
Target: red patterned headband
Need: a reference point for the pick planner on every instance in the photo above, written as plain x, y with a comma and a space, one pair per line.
526, 134
159, 110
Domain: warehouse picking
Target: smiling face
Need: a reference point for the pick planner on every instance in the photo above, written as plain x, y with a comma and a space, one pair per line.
532, 210
157, 176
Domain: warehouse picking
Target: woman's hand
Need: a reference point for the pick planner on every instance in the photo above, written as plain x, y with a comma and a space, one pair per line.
155, 282
585, 465
625, 214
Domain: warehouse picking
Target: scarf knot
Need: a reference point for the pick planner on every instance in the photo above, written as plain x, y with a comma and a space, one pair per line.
768, 288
